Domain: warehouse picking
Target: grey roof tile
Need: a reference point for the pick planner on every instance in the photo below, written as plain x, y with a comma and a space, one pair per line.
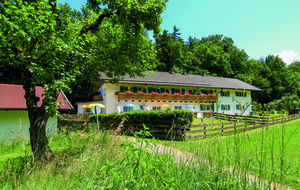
177, 79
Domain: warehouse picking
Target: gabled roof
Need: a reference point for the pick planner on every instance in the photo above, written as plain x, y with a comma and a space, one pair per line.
176, 79
12, 97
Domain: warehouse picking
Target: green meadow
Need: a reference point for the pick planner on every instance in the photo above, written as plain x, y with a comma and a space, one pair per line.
271, 153
92, 160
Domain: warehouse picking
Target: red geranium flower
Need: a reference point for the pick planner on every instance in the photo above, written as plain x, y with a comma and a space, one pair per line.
141, 93
165, 94
187, 94
129, 92
177, 94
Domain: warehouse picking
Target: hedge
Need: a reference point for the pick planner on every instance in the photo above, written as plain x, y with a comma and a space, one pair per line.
163, 124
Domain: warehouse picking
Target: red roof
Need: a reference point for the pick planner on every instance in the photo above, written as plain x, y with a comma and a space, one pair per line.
12, 97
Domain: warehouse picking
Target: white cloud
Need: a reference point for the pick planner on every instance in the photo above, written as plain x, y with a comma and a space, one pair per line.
288, 56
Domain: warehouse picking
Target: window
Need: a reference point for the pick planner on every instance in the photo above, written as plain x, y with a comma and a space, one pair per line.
172, 90
240, 107
127, 109
241, 94
150, 90
134, 89
162, 90
141, 107
206, 107
225, 107
206, 91
177, 107
123, 89
227, 93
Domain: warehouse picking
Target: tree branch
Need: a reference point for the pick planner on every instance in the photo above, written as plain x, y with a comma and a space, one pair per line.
93, 26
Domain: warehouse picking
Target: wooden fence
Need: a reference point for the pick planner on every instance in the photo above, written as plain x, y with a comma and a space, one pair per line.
244, 124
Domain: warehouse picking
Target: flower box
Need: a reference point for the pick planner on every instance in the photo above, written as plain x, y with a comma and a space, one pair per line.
155, 94
141, 93
165, 94
211, 95
116, 93
129, 92
204, 95
187, 94
177, 94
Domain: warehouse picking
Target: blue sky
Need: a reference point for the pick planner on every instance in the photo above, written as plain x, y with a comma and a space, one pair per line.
260, 27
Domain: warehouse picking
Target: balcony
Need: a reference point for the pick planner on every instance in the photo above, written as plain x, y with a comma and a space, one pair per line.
167, 98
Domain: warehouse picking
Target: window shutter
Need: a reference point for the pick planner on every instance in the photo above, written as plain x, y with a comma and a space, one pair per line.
183, 91
212, 107
228, 106
122, 89
201, 107
222, 107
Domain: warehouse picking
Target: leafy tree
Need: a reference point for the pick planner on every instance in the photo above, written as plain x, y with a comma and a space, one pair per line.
169, 48
52, 48
295, 67
288, 103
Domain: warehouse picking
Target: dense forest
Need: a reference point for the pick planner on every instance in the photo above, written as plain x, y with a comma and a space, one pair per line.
215, 55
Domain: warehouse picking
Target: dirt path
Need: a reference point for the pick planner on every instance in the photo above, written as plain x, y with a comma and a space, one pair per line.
186, 157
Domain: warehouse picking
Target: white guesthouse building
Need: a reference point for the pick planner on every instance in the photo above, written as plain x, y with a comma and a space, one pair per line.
204, 94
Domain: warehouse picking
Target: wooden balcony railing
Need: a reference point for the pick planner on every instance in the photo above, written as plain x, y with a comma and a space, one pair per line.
170, 97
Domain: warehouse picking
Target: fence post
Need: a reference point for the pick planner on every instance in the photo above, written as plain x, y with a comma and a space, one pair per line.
234, 128
246, 124
222, 129
204, 128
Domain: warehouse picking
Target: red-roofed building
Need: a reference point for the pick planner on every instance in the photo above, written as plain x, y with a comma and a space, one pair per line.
13, 112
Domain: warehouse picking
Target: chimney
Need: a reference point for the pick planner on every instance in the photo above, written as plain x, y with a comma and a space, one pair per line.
184, 72
172, 71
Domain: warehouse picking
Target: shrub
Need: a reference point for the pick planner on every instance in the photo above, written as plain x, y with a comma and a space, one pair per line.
163, 123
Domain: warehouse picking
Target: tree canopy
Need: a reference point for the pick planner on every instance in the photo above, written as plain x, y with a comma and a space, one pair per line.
217, 55
53, 45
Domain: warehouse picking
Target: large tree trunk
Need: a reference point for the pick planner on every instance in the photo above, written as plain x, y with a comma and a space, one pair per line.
38, 118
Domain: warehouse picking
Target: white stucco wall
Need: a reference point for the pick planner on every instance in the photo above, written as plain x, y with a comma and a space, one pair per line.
229, 100
14, 123
110, 100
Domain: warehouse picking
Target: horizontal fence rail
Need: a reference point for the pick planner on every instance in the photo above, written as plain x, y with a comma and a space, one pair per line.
188, 132
242, 124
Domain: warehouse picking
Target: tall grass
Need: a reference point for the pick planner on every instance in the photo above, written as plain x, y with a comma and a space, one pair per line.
92, 160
